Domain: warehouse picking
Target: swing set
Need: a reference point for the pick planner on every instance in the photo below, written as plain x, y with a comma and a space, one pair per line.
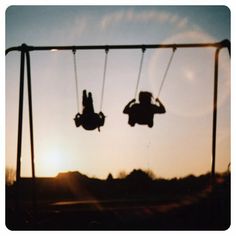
140, 113
90, 120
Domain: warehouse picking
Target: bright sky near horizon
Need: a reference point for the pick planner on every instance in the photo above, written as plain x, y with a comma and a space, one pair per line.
180, 141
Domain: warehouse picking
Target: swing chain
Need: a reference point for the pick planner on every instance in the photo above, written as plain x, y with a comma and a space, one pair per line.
167, 69
76, 78
140, 71
106, 49
143, 49
174, 48
104, 76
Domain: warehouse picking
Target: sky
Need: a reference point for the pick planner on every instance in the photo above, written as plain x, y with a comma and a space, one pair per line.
179, 144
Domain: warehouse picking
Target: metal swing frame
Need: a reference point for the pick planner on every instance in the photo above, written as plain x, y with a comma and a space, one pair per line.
25, 54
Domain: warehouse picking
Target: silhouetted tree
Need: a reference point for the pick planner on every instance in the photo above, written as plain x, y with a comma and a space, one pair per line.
150, 173
109, 177
10, 176
138, 175
122, 174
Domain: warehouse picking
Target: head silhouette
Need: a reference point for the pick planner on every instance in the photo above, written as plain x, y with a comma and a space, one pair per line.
145, 97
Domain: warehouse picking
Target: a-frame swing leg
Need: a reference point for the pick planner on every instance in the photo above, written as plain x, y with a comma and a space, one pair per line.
20, 120
214, 123
25, 53
31, 131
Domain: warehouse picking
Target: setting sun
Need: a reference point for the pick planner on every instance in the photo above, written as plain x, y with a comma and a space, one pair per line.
53, 162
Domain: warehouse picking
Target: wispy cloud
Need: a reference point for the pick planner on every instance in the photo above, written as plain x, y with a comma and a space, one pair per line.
143, 17
80, 25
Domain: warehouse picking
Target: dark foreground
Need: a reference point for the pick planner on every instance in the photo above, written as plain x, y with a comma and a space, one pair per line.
207, 209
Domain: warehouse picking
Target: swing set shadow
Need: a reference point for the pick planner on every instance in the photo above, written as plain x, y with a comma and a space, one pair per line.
25, 57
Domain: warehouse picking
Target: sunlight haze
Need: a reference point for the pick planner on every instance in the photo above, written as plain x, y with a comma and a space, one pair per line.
180, 141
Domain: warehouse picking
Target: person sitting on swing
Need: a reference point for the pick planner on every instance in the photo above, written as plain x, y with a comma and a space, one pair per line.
143, 112
89, 120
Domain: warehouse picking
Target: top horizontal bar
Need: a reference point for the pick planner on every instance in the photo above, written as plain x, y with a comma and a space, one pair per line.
25, 48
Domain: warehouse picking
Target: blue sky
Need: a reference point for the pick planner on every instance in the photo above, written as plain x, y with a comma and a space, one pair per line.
33, 23
180, 142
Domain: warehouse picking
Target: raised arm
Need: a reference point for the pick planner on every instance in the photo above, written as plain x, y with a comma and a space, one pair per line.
160, 107
127, 107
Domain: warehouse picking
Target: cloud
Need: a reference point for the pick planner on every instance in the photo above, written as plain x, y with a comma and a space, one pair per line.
79, 26
143, 17
182, 23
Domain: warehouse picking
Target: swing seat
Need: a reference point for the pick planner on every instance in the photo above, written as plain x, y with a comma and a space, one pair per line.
89, 121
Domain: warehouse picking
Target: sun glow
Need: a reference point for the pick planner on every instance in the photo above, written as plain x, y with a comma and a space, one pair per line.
52, 162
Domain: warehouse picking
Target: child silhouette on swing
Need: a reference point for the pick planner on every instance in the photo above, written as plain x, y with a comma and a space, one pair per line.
89, 120
143, 112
